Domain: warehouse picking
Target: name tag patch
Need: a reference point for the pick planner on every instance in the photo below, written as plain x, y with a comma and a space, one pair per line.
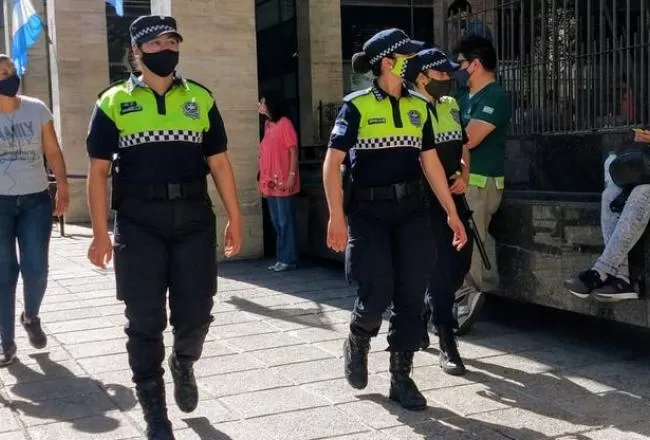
487, 109
415, 117
129, 107
373, 121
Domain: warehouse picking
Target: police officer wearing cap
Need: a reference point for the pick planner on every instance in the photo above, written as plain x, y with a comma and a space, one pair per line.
431, 73
385, 134
162, 134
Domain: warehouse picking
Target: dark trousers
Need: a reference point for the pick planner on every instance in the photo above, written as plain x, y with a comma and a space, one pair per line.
161, 246
451, 266
389, 256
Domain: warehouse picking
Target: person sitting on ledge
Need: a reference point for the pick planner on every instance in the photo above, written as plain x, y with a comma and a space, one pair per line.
623, 222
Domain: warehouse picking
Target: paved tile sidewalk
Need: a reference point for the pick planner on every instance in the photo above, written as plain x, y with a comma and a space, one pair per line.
272, 369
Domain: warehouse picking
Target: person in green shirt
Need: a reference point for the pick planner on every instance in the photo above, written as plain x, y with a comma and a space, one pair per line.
485, 114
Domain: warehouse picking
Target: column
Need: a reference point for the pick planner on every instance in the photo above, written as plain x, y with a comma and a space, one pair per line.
219, 51
79, 72
320, 62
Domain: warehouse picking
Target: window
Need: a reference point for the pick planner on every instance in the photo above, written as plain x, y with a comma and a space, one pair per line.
120, 58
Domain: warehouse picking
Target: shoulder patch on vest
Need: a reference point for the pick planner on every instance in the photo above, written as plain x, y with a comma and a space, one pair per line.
115, 84
191, 81
349, 97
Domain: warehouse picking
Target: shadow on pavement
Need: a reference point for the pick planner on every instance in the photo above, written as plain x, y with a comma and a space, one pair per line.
55, 393
204, 429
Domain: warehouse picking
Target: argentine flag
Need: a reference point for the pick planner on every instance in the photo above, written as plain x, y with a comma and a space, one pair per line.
118, 5
27, 26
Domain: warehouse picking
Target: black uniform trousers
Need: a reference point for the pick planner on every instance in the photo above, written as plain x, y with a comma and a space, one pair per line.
451, 266
163, 245
389, 256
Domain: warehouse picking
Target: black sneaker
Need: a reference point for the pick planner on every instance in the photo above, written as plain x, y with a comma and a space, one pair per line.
34, 332
615, 289
585, 283
8, 355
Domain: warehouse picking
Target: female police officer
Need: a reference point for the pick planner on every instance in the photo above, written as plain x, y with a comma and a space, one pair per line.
385, 132
166, 134
430, 71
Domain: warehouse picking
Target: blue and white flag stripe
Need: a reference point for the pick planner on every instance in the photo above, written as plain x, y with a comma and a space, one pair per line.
27, 26
118, 5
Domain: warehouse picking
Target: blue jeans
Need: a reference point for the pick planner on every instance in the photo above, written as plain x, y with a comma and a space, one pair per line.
283, 216
26, 219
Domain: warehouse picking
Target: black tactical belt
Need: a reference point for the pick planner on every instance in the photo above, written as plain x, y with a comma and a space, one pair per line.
397, 191
169, 191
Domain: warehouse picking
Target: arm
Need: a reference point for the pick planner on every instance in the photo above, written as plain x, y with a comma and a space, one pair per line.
343, 138
54, 158
491, 111
101, 144
215, 144
291, 139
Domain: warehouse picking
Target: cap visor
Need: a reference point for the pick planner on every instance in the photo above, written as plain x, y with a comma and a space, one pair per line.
412, 47
449, 67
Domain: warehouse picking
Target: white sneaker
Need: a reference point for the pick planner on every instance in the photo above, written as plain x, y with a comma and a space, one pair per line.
273, 267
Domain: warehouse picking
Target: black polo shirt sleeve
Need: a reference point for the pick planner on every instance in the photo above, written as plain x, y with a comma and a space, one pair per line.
103, 135
215, 140
428, 138
346, 128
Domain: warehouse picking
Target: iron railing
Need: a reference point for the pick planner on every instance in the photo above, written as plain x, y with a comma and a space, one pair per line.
569, 65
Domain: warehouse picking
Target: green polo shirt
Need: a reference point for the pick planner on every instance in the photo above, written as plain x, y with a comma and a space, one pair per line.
491, 105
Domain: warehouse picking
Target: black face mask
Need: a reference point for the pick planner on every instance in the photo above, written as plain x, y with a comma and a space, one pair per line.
438, 89
161, 63
9, 86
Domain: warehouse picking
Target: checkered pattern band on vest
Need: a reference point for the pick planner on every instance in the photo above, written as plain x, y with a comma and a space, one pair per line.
389, 142
450, 136
156, 29
388, 51
148, 137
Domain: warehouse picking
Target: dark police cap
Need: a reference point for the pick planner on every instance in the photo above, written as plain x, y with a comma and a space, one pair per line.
148, 27
436, 59
390, 41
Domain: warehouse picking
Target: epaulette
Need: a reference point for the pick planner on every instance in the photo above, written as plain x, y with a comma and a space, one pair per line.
116, 83
198, 84
417, 95
350, 96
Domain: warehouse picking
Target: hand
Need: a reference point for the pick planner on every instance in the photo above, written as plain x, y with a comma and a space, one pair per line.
232, 238
460, 235
642, 136
291, 182
337, 233
100, 251
62, 199
460, 184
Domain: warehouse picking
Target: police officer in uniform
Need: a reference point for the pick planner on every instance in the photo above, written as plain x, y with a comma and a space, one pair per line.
431, 73
385, 132
162, 134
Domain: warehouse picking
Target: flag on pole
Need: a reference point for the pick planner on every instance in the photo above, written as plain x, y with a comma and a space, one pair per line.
118, 5
26, 26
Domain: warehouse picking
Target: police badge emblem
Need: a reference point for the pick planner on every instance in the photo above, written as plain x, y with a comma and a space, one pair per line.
415, 118
191, 110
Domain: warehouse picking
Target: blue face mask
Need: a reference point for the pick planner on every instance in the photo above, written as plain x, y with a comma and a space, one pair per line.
461, 77
9, 86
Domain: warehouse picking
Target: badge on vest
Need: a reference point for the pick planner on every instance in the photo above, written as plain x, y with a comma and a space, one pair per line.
373, 121
415, 117
129, 107
191, 110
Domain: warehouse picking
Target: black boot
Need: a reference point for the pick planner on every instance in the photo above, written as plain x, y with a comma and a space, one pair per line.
450, 360
402, 388
151, 396
355, 358
186, 393
426, 316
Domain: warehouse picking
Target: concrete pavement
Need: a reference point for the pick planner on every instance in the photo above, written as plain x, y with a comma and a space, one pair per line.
272, 369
